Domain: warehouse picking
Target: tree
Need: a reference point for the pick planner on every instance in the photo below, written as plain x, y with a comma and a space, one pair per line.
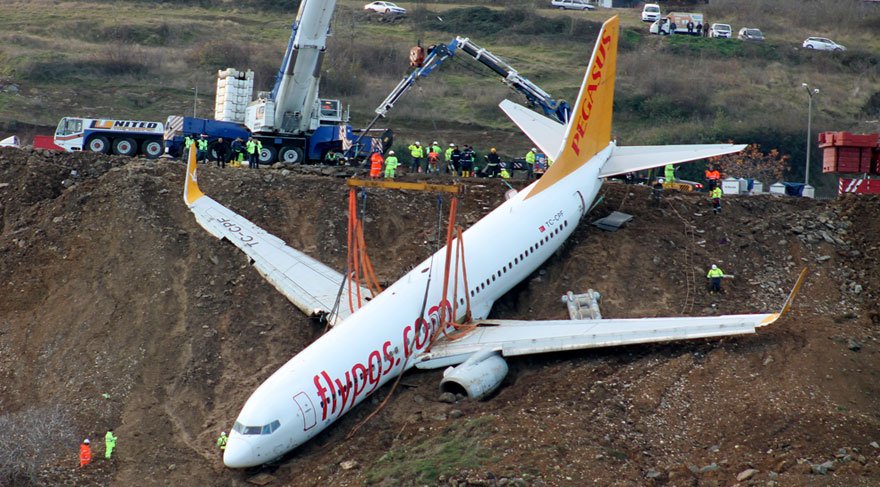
751, 163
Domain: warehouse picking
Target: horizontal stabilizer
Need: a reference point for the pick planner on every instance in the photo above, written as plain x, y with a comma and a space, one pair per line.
545, 133
637, 158
513, 338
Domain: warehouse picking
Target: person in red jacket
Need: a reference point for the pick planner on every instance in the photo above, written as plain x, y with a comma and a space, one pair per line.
85, 453
376, 165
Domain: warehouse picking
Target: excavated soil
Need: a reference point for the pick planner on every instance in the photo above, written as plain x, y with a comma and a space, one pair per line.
118, 309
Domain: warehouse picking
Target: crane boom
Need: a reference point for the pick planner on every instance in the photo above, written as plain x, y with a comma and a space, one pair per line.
551, 107
292, 102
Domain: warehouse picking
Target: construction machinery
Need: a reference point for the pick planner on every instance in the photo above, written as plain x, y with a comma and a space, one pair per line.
291, 121
122, 137
426, 61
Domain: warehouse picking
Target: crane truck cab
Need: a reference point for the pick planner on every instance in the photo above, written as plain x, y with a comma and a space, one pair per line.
122, 137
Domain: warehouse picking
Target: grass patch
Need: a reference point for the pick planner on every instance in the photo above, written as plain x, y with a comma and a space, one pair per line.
720, 48
483, 22
459, 448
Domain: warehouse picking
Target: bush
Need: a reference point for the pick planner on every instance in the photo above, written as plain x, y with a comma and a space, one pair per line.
482, 22
33, 439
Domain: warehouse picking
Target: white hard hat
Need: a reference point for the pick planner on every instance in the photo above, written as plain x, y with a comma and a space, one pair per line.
391, 153
534, 150
451, 145
222, 433
434, 143
86, 441
661, 180
714, 266
417, 142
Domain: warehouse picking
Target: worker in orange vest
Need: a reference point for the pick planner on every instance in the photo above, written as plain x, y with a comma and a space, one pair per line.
713, 176
85, 453
376, 165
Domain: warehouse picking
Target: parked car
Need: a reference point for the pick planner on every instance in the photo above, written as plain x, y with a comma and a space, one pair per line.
750, 34
721, 31
572, 5
822, 44
385, 8
651, 12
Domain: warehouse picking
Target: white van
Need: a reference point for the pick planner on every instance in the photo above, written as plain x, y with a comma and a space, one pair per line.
721, 30
651, 12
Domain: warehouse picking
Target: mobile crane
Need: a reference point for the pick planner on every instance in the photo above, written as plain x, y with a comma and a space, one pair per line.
291, 121
426, 62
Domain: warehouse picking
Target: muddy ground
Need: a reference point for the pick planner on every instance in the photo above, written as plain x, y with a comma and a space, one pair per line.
118, 310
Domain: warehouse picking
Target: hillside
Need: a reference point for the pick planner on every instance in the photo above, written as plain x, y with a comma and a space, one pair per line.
143, 59
110, 287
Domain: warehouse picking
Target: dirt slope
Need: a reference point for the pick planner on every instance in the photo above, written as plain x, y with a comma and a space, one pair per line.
109, 286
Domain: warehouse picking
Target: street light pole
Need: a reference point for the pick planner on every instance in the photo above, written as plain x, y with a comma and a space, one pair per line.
810, 93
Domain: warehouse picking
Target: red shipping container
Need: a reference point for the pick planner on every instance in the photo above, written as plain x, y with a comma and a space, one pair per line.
854, 140
847, 167
846, 139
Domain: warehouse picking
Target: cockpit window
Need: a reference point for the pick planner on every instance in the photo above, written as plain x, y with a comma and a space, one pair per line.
271, 427
257, 430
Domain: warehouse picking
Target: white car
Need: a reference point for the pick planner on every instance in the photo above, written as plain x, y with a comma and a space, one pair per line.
385, 8
721, 31
651, 12
822, 44
572, 5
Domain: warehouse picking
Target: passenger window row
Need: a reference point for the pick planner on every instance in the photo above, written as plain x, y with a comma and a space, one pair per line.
516, 261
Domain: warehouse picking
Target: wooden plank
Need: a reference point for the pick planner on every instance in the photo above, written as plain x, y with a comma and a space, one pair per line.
421, 186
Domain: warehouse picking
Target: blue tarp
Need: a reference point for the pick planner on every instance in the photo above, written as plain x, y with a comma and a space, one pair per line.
794, 189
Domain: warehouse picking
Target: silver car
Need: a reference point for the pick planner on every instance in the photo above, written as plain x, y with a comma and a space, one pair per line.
822, 44
385, 8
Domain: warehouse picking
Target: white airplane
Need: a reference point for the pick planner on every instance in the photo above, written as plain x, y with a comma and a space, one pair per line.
396, 329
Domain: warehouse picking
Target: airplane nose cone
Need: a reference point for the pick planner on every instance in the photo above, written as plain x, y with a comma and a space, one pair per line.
239, 454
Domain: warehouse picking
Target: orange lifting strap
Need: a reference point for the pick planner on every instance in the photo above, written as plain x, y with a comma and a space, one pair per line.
452, 231
359, 264
360, 269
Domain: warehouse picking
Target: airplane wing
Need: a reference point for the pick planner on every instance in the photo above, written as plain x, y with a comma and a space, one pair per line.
310, 285
513, 338
636, 158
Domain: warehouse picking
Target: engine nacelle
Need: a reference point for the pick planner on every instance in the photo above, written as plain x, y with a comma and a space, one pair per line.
477, 376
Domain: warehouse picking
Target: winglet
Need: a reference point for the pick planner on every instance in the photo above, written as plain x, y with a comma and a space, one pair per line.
589, 129
191, 191
787, 306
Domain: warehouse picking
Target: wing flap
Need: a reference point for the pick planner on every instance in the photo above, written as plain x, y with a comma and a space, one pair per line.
513, 338
637, 158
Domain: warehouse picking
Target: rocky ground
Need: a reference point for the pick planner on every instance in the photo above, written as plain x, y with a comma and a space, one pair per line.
118, 310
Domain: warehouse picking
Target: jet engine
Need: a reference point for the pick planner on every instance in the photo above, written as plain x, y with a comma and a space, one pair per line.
477, 376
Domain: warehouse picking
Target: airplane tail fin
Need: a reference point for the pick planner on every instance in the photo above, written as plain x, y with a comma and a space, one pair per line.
191, 191
589, 129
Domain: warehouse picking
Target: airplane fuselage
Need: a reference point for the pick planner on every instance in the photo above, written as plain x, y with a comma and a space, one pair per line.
384, 338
